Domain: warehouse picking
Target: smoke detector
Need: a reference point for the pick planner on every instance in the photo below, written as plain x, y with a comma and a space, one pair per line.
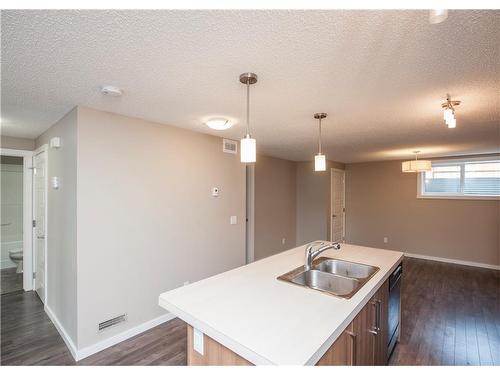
111, 91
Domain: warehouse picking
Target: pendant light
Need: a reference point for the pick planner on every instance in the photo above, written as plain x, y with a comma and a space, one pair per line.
248, 146
449, 112
319, 158
412, 166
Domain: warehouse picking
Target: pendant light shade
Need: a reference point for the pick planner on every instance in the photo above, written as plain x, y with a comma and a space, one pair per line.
319, 162
248, 145
319, 158
248, 148
415, 166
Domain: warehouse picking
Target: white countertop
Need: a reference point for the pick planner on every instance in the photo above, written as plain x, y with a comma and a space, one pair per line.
268, 321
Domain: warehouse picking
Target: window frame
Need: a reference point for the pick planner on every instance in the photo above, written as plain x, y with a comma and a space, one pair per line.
443, 162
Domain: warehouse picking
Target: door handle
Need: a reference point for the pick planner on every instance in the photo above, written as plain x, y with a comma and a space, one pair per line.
354, 348
376, 327
378, 314
40, 237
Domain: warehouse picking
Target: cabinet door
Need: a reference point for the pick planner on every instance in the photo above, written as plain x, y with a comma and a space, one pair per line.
341, 353
363, 326
381, 305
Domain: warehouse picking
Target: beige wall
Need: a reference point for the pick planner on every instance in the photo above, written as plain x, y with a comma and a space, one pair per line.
61, 223
275, 205
381, 202
17, 143
147, 221
313, 202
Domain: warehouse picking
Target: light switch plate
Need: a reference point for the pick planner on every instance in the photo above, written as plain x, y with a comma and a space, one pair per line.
233, 220
198, 341
55, 182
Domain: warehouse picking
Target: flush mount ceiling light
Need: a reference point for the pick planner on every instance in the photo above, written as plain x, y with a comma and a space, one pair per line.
449, 112
219, 124
111, 91
319, 158
412, 166
437, 15
248, 145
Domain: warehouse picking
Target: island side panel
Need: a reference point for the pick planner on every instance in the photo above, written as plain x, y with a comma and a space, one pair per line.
214, 354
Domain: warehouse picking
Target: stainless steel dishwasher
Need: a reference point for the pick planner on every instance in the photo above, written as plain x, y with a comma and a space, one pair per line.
394, 308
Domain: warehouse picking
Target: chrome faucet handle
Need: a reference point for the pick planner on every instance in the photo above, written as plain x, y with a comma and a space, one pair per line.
312, 252
311, 245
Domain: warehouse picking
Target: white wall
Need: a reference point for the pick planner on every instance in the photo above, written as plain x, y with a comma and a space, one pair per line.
381, 201
313, 202
146, 219
275, 205
61, 223
12, 202
17, 143
11, 209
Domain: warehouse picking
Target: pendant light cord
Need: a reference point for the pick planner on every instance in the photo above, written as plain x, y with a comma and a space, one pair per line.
248, 109
319, 138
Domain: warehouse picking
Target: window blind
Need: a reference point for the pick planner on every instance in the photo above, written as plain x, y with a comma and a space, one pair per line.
462, 178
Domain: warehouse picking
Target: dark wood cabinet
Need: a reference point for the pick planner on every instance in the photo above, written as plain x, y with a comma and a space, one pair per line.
364, 342
343, 350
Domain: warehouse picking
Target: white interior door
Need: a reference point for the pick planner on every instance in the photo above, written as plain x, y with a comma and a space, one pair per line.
39, 230
337, 223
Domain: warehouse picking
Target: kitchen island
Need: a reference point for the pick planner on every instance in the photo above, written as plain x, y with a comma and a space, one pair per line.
250, 317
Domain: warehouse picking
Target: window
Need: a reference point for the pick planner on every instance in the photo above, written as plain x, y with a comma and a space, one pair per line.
466, 179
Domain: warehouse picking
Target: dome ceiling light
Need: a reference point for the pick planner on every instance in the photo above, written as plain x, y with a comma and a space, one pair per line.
219, 124
437, 15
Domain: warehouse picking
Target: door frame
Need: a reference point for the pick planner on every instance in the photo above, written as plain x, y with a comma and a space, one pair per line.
27, 156
39, 150
332, 170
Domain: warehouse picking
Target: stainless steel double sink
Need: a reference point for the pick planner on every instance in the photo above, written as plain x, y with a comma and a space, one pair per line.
332, 276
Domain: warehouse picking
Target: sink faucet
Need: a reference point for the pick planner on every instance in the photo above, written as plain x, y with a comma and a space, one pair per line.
315, 248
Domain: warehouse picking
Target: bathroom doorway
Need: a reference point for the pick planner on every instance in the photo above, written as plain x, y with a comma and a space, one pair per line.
16, 243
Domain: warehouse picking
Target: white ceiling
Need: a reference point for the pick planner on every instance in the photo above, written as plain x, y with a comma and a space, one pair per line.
380, 75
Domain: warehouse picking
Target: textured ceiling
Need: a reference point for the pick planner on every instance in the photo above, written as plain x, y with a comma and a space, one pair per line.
380, 75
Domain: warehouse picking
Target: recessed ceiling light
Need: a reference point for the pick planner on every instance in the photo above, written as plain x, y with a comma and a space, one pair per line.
111, 91
219, 124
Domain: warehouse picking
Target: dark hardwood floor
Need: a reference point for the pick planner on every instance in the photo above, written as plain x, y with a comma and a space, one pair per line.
451, 316
28, 337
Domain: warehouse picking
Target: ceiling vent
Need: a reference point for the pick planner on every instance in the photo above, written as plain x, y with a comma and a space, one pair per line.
229, 146
112, 322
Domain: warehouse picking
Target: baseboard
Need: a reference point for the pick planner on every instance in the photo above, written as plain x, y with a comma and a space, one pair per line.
101, 345
454, 261
67, 340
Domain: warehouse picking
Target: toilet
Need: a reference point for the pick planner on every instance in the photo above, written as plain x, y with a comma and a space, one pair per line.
16, 256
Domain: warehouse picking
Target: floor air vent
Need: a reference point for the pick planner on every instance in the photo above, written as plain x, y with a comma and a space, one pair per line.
112, 322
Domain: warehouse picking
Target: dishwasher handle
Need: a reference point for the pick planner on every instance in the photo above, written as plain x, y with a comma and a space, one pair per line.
395, 277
